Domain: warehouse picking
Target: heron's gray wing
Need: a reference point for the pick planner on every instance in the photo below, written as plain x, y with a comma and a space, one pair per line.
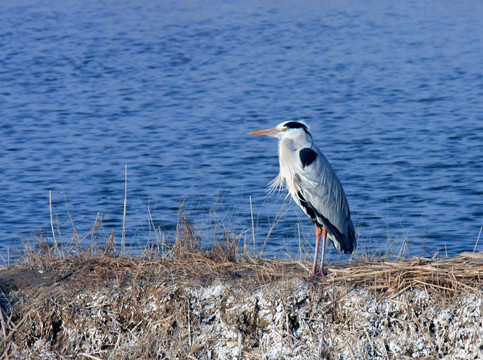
320, 188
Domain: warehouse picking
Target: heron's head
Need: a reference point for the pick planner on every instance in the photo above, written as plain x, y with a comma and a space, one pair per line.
293, 129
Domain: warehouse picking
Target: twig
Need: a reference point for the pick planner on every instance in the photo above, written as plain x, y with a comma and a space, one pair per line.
151, 221
4, 323
189, 322
477, 240
123, 244
272, 227
433, 285
7, 338
90, 356
300, 242
253, 225
52, 224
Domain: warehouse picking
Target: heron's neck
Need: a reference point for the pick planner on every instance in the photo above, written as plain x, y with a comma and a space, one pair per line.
288, 155
295, 143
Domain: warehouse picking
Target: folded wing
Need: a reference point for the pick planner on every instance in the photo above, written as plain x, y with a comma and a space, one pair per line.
321, 196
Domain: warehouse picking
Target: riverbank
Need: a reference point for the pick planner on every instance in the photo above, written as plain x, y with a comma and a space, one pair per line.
191, 303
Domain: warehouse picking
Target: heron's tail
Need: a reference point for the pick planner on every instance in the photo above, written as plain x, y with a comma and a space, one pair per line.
350, 239
344, 242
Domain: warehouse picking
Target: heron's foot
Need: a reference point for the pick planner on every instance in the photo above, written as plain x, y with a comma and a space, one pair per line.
322, 274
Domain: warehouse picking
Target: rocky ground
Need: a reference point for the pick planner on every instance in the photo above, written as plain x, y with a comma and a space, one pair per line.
220, 305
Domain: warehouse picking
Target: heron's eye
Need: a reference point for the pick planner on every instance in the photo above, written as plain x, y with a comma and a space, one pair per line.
285, 128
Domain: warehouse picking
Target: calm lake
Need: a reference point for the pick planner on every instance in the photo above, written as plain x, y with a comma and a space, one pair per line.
392, 91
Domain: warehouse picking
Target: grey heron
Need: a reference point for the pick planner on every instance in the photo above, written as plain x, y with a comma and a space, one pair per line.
314, 186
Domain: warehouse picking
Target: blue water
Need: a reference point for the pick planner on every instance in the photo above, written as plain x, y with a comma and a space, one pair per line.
393, 92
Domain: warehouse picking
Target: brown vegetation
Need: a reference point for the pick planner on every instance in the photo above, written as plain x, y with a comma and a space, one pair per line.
186, 302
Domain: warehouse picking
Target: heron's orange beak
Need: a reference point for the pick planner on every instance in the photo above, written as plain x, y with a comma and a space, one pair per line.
269, 132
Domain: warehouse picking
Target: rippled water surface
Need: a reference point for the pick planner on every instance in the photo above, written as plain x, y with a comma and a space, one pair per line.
393, 93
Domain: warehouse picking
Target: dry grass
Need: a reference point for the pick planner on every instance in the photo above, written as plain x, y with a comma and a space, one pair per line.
446, 277
186, 302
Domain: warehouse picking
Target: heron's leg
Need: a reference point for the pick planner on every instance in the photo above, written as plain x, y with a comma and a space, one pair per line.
318, 234
324, 241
